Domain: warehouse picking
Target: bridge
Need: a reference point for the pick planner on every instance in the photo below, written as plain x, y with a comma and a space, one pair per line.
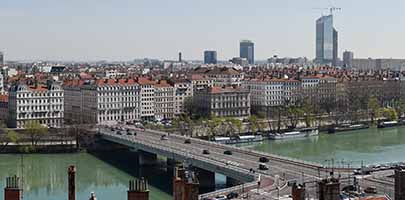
241, 166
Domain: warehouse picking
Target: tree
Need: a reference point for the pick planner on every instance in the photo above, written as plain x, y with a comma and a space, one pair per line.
10, 137
253, 123
294, 113
235, 124
374, 108
213, 124
400, 106
36, 131
390, 114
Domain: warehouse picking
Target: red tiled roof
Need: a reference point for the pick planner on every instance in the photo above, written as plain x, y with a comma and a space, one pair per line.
145, 81
3, 98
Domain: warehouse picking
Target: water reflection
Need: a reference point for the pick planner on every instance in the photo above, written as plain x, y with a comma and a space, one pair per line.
45, 176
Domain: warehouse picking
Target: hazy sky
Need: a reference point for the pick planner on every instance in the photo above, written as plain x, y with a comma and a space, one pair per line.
128, 29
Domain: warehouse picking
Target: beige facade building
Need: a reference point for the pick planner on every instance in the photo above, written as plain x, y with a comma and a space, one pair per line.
224, 102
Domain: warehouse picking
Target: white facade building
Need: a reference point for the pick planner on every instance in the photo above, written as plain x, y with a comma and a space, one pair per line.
44, 104
103, 101
147, 98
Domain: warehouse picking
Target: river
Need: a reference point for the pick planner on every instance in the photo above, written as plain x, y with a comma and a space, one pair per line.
107, 174
370, 146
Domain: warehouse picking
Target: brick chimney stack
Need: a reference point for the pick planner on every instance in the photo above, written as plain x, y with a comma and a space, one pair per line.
72, 183
138, 190
12, 191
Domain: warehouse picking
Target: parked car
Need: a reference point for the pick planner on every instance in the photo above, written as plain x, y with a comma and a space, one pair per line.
228, 152
263, 167
263, 160
187, 141
164, 137
205, 151
221, 197
371, 190
232, 195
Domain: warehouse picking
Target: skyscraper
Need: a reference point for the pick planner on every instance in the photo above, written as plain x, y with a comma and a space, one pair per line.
1, 58
348, 59
210, 57
247, 50
326, 41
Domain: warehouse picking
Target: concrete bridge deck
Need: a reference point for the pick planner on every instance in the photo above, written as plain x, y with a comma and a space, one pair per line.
237, 166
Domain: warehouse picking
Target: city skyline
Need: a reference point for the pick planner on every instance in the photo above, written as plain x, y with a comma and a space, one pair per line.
106, 30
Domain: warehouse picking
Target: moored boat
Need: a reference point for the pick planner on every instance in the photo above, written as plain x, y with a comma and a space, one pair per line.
300, 133
347, 127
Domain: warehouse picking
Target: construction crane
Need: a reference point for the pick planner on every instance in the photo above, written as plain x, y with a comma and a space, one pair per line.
331, 9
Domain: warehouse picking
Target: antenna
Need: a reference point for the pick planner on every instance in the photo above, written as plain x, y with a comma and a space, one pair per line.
331, 9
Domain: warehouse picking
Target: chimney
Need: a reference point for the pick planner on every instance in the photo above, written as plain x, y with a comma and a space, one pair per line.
138, 190
298, 192
93, 196
71, 183
12, 191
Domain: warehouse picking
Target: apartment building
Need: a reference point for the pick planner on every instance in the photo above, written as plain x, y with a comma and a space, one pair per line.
164, 100
42, 103
200, 82
183, 90
147, 98
224, 102
270, 93
102, 101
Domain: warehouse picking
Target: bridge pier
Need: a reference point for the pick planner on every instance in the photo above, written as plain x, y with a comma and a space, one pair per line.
146, 158
230, 182
206, 179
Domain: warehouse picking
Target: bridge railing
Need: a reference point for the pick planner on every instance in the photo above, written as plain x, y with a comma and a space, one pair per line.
251, 152
182, 153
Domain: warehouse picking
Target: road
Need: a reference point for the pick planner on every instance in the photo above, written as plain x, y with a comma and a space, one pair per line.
244, 160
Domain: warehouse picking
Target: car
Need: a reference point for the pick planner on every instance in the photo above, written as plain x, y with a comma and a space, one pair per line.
228, 152
120, 132
263, 160
131, 133
187, 141
371, 190
221, 197
263, 167
206, 151
164, 137
232, 195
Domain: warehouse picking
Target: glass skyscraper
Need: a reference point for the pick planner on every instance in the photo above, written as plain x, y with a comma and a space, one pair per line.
326, 41
247, 50
210, 57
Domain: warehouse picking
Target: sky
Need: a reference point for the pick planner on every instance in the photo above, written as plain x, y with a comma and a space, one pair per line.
89, 30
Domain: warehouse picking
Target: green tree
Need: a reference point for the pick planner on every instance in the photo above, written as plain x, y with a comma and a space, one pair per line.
390, 114
374, 108
35, 131
294, 113
400, 106
213, 124
234, 124
253, 123
10, 137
